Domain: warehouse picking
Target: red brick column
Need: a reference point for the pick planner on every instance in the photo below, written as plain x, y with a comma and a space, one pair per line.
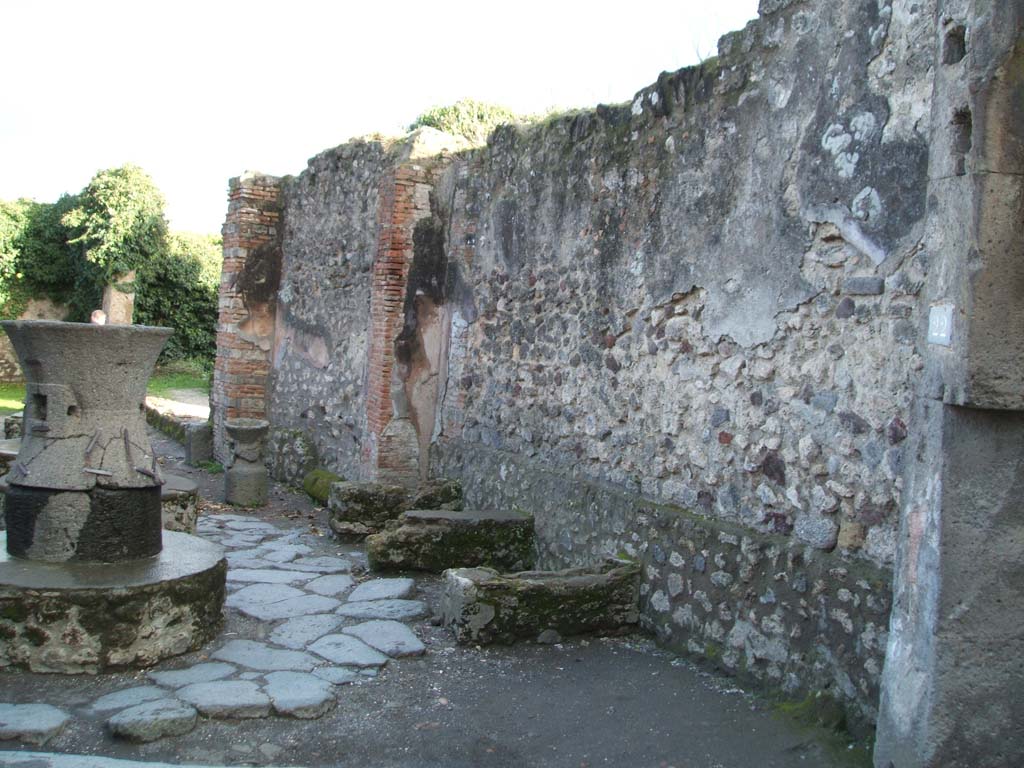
248, 288
391, 455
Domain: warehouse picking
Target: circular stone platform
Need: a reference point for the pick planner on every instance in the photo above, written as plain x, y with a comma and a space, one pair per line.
91, 617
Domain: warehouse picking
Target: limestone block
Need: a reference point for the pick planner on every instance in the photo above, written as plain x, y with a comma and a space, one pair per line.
433, 540
482, 606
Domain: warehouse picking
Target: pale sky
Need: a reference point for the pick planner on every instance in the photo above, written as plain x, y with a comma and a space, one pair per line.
197, 92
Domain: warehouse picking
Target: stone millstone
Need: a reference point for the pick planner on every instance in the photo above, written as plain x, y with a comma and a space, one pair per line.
435, 540
32, 723
93, 617
358, 509
482, 606
154, 720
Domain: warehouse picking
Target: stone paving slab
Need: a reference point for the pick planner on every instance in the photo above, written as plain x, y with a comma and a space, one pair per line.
198, 673
153, 720
129, 697
399, 610
298, 694
267, 576
299, 632
389, 637
348, 651
320, 565
383, 589
31, 723
262, 657
339, 675
330, 586
227, 699
278, 601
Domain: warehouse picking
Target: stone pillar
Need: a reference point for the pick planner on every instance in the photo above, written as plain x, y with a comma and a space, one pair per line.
248, 301
954, 670
119, 300
245, 479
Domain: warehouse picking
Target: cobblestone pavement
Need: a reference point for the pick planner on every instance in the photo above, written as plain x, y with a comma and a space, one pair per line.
321, 663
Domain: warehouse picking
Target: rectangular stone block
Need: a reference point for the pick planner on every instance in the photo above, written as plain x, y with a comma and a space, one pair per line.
482, 606
434, 540
198, 442
864, 286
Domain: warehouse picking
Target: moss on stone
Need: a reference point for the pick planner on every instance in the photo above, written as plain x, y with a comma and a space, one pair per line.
318, 484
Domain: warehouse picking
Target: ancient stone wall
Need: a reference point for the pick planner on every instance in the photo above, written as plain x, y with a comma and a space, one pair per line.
686, 328
707, 298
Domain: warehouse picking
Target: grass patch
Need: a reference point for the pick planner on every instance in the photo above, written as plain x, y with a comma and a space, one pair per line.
213, 467
179, 374
12, 398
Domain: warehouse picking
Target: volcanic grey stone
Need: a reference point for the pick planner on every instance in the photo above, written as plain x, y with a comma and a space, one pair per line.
330, 586
817, 530
255, 655
199, 673
277, 601
864, 286
154, 720
402, 610
338, 675
389, 637
245, 479
266, 576
227, 699
319, 565
129, 697
348, 651
298, 694
383, 589
31, 723
301, 631
281, 553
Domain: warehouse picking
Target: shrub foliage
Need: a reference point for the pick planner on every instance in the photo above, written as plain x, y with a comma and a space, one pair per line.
68, 251
473, 120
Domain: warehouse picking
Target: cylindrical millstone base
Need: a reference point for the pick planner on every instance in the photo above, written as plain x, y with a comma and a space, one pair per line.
102, 525
89, 617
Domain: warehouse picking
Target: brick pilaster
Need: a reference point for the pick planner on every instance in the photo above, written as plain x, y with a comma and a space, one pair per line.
404, 200
245, 323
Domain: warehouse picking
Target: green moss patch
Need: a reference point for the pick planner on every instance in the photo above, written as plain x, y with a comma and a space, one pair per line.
318, 484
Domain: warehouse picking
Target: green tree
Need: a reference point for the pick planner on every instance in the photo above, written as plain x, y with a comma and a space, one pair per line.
118, 222
471, 119
180, 290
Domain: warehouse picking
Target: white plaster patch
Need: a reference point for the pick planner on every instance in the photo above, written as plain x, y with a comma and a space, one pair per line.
867, 205
638, 106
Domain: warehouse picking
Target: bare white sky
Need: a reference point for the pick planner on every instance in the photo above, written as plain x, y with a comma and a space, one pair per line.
197, 92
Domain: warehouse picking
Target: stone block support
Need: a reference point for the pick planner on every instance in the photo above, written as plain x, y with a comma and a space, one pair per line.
248, 289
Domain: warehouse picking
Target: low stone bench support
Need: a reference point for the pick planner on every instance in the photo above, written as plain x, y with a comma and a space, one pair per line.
434, 540
482, 606
359, 509
179, 504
